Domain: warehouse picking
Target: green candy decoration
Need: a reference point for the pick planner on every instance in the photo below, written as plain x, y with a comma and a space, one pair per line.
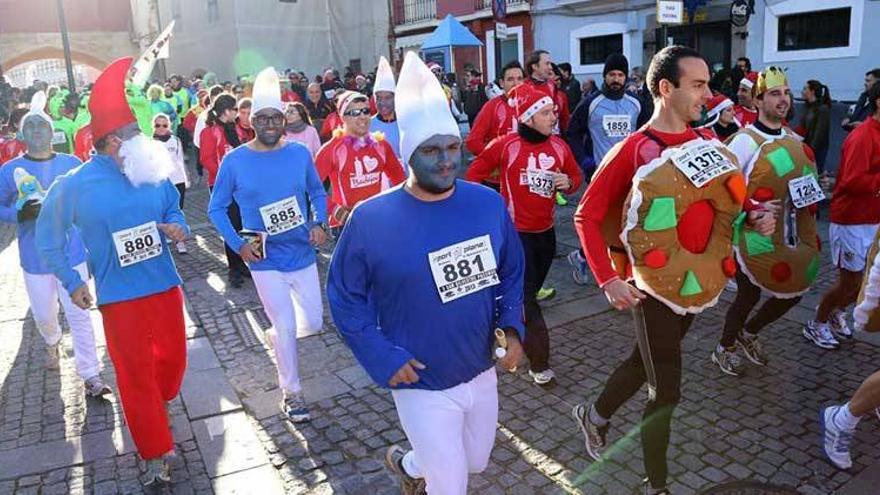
781, 161
661, 215
691, 285
757, 244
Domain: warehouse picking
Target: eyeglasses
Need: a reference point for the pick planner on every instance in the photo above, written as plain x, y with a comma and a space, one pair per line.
264, 120
160, 126
357, 112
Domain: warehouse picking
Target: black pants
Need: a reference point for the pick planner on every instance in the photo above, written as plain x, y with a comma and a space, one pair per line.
181, 188
656, 358
747, 296
539, 250
233, 260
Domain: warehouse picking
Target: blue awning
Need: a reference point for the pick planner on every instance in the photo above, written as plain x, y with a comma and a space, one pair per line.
450, 33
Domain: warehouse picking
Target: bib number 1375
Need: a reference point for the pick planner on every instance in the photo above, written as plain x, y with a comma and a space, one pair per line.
464, 268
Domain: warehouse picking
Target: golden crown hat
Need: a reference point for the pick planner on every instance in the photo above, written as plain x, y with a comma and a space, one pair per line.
770, 78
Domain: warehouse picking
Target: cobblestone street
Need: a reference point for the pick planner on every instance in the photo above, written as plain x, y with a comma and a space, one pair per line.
231, 438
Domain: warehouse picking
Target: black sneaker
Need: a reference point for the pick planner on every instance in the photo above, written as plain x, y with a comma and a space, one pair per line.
728, 361
594, 436
752, 348
408, 484
235, 279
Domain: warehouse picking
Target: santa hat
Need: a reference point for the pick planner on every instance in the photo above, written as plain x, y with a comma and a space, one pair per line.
38, 105
384, 77
108, 105
748, 81
527, 101
714, 108
421, 105
267, 91
347, 98
770, 78
432, 66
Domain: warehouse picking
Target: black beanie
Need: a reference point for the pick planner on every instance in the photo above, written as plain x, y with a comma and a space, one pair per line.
616, 61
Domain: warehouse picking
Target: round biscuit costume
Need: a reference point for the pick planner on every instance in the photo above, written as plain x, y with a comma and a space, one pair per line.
678, 231
867, 311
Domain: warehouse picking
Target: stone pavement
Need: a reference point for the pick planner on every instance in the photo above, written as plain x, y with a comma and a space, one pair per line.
230, 437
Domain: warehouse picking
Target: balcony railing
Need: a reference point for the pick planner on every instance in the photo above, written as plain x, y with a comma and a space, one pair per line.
487, 4
414, 11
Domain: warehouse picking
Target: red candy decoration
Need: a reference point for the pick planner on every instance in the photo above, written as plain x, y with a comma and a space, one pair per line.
780, 272
728, 266
762, 194
655, 258
695, 226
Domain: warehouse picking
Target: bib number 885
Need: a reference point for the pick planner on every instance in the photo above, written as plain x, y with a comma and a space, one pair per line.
452, 272
138, 243
283, 215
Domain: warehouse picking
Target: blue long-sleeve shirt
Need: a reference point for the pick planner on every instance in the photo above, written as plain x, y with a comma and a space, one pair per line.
595, 125
256, 179
45, 172
391, 132
385, 300
99, 201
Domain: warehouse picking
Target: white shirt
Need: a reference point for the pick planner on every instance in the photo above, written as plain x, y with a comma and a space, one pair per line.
178, 174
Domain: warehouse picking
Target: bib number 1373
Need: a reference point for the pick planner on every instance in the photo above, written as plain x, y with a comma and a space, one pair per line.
464, 268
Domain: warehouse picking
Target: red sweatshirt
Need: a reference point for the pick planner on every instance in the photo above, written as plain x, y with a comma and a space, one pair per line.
526, 177
356, 173
856, 198
601, 206
214, 147
745, 116
496, 118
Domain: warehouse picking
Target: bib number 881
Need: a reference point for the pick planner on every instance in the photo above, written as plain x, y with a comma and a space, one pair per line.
138, 243
452, 272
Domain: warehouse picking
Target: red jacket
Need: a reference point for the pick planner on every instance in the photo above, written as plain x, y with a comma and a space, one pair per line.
496, 118
559, 97
245, 134
82, 143
356, 174
214, 147
522, 165
744, 116
601, 205
10, 148
856, 198
331, 123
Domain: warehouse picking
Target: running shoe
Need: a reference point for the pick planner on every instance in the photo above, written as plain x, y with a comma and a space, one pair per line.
394, 463
839, 326
560, 199
181, 247
95, 387
543, 378
235, 279
836, 441
594, 435
157, 472
654, 491
752, 348
820, 334
294, 407
728, 360
53, 356
545, 294
580, 272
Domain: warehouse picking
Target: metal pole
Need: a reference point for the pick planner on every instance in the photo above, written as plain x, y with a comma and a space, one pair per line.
498, 64
65, 40
163, 70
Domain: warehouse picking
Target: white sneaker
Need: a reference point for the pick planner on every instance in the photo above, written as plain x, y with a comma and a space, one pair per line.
158, 472
95, 387
53, 356
181, 247
836, 441
543, 377
838, 324
820, 334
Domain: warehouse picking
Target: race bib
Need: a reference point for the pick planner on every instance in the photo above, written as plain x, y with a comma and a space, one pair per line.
805, 191
702, 163
281, 216
58, 137
616, 126
464, 268
137, 244
540, 182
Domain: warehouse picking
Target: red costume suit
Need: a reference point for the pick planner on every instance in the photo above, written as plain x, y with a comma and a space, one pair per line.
358, 169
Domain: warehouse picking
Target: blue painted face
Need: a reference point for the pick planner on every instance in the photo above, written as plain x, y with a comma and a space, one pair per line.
436, 163
36, 134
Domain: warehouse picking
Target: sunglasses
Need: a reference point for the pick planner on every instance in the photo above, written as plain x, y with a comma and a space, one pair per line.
264, 120
357, 112
161, 126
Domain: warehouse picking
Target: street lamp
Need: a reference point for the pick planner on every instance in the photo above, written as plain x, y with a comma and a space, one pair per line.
65, 40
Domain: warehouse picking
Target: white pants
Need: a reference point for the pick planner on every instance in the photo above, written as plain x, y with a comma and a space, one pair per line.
452, 431
850, 245
304, 310
43, 293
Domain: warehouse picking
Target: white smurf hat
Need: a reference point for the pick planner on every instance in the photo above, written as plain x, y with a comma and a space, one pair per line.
384, 77
421, 106
267, 91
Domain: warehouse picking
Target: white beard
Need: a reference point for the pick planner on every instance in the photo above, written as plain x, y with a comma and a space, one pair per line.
145, 161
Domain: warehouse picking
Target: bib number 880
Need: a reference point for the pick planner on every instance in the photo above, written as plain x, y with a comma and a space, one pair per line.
452, 272
138, 243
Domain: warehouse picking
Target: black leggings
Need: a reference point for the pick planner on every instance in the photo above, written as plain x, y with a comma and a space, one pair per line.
181, 188
539, 250
233, 260
656, 358
747, 296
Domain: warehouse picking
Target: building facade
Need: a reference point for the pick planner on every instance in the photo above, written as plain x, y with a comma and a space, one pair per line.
812, 39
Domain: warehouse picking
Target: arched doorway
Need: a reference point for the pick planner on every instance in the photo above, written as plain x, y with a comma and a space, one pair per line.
47, 64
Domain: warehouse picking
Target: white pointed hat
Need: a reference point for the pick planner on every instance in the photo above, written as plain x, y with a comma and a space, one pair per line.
384, 77
37, 108
267, 91
421, 106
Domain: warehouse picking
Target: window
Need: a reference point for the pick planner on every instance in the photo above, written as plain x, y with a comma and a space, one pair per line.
213, 10
811, 30
595, 49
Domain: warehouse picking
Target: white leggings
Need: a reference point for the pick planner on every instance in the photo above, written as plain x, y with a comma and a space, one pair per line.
452, 431
43, 293
292, 300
